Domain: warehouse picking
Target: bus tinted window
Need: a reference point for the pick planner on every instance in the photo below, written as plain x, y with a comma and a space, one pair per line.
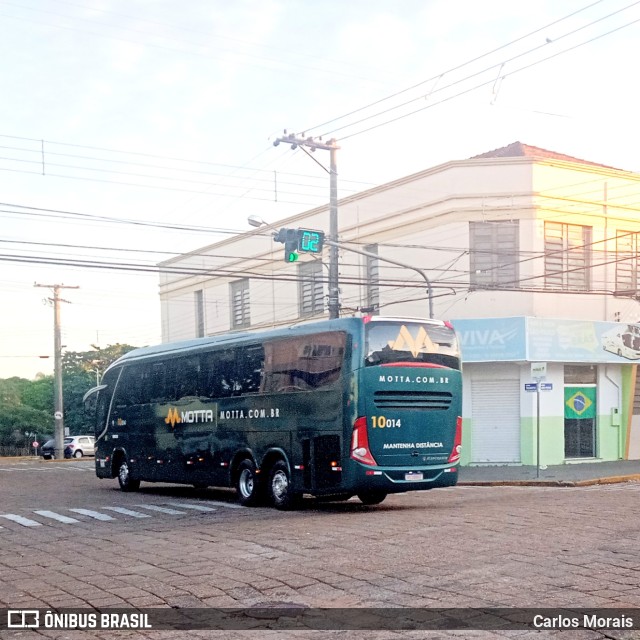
411, 342
155, 382
130, 386
183, 375
250, 368
219, 374
303, 363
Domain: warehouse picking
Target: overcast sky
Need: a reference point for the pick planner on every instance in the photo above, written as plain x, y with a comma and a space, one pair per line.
116, 113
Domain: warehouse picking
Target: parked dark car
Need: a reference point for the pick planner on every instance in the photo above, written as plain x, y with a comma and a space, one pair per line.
47, 450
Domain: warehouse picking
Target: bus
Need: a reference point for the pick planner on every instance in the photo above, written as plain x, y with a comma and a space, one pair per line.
362, 407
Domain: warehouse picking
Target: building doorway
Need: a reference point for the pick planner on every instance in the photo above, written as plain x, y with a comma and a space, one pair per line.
580, 393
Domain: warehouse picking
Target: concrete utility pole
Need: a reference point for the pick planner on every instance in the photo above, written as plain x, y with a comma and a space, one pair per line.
57, 355
332, 147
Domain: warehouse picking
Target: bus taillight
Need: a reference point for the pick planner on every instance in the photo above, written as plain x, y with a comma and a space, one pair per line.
360, 443
457, 442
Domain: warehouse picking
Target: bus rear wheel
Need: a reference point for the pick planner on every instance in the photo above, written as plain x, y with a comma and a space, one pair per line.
126, 482
281, 491
372, 497
247, 485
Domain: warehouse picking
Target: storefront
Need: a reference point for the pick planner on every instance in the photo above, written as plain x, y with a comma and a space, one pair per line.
557, 391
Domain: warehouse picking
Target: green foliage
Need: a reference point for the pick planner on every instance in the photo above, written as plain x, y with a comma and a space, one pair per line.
28, 405
81, 370
39, 393
93, 362
24, 408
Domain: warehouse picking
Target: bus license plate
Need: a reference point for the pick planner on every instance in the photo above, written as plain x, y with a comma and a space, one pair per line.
413, 477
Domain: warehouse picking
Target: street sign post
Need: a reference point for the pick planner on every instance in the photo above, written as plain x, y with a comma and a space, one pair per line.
539, 373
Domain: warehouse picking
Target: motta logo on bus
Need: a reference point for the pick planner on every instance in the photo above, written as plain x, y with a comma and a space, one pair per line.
197, 416
406, 342
189, 417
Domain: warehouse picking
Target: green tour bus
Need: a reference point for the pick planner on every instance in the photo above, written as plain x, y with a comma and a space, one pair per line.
355, 406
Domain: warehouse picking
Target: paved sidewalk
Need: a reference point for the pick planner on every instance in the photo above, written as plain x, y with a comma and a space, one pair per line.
575, 474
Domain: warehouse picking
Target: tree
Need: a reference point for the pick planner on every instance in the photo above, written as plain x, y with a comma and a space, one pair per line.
25, 406
28, 406
81, 370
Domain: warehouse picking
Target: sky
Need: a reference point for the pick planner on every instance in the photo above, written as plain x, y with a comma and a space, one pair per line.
135, 130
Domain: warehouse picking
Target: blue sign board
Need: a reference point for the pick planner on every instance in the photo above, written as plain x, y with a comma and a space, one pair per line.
546, 386
530, 386
492, 339
522, 339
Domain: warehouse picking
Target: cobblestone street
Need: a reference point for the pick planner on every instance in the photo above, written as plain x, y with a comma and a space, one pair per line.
461, 547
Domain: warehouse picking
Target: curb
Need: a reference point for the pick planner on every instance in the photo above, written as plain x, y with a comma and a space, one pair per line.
550, 483
17, 459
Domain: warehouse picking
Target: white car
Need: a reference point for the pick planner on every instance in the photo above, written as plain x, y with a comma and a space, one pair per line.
78, 446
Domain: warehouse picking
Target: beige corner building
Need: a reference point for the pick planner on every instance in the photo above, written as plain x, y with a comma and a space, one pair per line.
532, 254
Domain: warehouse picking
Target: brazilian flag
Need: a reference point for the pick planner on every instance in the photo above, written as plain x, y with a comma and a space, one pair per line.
579, 402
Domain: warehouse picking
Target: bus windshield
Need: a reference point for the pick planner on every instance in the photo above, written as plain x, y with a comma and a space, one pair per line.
415, 342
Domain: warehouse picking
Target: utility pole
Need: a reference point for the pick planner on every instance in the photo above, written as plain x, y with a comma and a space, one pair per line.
397, 263
332, 147
57, 355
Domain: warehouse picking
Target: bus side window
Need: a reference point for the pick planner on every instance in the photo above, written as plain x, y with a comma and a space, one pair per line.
130, 386
220, 378
157, 373
250, 361
304, 362
187, 377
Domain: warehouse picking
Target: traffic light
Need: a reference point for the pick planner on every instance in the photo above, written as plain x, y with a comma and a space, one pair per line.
288, 237
294, 240
291, 251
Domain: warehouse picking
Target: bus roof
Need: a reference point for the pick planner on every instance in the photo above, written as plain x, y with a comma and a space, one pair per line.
243, 337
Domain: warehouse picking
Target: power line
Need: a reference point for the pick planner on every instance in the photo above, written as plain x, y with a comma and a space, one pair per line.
451, 70
465, 91
142, 154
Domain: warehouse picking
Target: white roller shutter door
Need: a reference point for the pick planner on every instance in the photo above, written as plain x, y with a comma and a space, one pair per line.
495, 416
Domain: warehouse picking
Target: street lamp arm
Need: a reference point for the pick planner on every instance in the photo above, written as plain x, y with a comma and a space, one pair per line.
398, 263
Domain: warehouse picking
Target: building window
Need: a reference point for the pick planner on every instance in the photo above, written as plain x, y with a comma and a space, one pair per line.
567, 256
372, 276
311, 288
494, 247
198, 298
240, 316
627, 262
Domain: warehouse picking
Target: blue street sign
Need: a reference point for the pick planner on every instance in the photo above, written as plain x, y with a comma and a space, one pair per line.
546, 386
530, 386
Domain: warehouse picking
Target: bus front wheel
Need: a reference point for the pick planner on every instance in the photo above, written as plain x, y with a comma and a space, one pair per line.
126, 482
372, 497
280, 490
247, 485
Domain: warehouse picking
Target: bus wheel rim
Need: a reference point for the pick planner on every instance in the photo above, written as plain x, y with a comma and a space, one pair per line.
280, 484
124, 472
246, 483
